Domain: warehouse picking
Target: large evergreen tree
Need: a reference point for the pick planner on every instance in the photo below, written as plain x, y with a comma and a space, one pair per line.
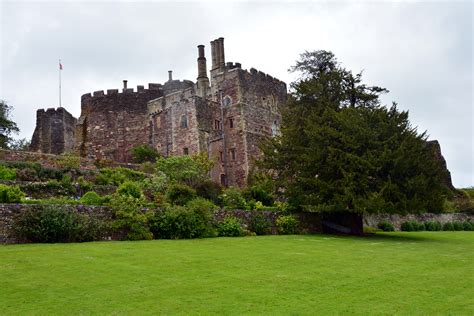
341, 151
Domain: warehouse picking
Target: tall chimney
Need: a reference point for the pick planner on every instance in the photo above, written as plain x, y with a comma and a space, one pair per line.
213, 55
202, 79
125, 85
220, 52
202, 68
170, 75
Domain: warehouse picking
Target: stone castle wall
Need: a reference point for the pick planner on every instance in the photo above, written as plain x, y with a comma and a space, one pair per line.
112, 123
54, 132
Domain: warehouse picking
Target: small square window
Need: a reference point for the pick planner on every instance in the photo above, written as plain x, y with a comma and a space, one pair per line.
185, 151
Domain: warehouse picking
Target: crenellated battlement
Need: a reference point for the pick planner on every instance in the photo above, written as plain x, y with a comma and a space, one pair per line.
125, 91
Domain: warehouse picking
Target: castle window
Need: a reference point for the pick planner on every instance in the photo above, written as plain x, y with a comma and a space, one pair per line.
232, 153
275, 129
227, 101
231, 122
217, 124
184, 121
221, 157
186, 151
223, 179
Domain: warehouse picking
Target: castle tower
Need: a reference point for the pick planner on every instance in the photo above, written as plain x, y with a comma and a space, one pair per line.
202, 85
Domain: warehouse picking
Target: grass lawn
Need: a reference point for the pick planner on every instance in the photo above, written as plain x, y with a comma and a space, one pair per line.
391, 273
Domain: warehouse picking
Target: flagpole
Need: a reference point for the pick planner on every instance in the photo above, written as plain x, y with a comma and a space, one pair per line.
59, 82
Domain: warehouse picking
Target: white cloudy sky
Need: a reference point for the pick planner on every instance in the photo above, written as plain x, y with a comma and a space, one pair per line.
421, 51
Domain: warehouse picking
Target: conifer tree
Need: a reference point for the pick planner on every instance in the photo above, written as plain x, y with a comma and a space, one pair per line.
341, 151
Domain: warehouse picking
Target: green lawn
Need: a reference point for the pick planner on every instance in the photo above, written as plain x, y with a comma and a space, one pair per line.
392, 273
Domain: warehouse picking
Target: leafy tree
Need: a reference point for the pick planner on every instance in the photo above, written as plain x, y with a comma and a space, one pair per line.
341, 151
144, 153
189, 170
7, 126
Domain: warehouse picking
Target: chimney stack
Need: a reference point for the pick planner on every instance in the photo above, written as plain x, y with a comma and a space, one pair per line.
220, 52
202, 79
170, 75
217, 52
202, 68
124, 85
213, 55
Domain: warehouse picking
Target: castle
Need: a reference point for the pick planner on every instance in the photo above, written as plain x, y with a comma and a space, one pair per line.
225, 116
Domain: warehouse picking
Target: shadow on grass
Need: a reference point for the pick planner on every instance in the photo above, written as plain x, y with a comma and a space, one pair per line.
394, 237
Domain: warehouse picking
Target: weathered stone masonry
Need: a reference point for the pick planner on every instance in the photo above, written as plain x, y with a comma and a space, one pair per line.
54, 132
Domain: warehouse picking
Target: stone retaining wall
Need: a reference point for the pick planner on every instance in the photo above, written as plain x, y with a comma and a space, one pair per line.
8, 213
397, 220
309, 222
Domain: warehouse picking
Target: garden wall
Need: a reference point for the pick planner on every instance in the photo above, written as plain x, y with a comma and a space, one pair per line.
374, 219
309, 222
8, 213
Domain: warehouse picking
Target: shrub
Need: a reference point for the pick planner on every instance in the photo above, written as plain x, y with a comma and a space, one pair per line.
131, 189
412, 226
129, 218
287, 224
50, 174
258, 193
232, 198
7, 173
433, 226
457, 225
157, 183
260, 224
386, 226
448, 226
69, 161
230, 227
144, 153
91, 198
148, 167
27, 174
117, 176
420, 227
56, 223
467, 225
185, 169
180, 194
178, 222
10, 194
209, 190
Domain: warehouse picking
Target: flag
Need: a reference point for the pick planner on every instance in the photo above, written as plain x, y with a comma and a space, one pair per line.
60, 66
